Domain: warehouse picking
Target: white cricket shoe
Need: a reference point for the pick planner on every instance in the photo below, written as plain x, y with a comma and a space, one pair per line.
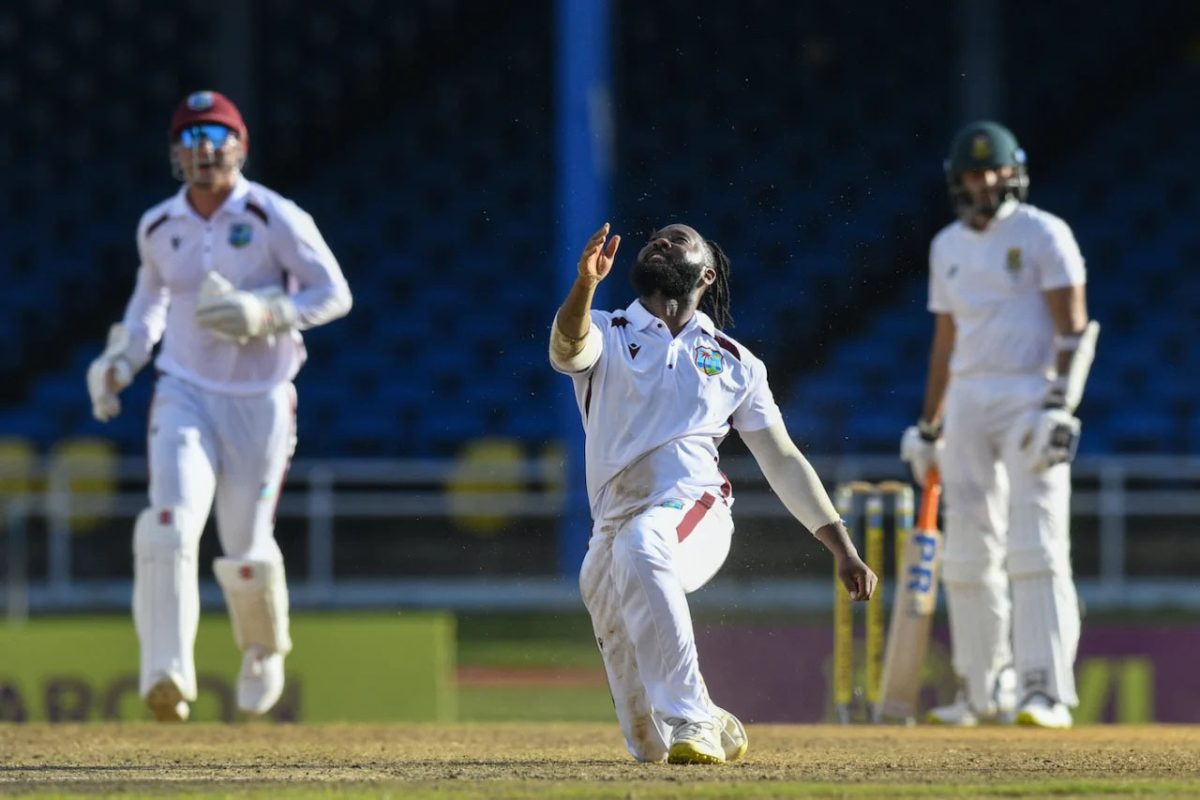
1001, 711
166, 703
957, 713
696, 743
962, 714
734, 741
260, 682
1040, 711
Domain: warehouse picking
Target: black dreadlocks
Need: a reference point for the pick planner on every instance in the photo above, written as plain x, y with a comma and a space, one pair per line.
716, 300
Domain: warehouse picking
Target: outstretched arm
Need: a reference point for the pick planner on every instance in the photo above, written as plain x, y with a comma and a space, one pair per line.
571, 349
796, 482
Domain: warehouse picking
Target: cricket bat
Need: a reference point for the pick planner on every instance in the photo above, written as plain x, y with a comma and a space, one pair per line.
912, 611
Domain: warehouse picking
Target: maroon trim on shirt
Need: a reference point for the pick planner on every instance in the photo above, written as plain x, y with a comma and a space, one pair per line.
619, 322
696, 513
258, 211
587, 400
726, 486
153, 226
725, 344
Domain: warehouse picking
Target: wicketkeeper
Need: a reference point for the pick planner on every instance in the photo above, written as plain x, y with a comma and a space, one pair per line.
230, 274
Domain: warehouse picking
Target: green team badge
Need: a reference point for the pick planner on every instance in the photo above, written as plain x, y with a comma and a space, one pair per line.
1012, 262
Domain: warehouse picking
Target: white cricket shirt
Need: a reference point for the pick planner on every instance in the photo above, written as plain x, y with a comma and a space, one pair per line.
256, 239
992, 283
656, 407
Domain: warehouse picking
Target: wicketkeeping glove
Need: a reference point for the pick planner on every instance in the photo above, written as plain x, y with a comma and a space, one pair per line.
242, 316
109, 374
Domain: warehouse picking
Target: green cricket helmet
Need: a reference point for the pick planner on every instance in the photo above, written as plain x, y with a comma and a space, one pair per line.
985, 145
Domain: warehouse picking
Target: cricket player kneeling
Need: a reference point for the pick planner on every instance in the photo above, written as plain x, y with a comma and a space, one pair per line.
659, 387
256, 594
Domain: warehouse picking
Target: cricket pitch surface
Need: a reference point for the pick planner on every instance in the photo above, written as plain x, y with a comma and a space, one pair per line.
531, 760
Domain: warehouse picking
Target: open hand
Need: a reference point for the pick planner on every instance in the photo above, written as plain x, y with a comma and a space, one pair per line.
598, 255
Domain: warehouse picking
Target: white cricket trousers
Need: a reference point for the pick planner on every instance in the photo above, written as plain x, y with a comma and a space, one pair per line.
234, 449
1007, 567
634, 581
204, 446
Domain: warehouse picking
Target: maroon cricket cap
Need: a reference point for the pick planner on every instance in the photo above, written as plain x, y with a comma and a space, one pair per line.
207, 106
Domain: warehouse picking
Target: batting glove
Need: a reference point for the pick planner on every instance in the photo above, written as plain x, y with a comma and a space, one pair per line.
920, 447
1052, 440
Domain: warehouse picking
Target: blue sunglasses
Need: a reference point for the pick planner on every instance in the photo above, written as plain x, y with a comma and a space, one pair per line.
194, 135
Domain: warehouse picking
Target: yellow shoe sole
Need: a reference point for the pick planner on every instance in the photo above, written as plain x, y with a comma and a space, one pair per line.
1024, 718
687, 753
933, 719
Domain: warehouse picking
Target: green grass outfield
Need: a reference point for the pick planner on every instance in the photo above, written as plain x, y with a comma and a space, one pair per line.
538, 667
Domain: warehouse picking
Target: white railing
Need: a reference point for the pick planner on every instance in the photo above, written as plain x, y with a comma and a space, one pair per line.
1119, 493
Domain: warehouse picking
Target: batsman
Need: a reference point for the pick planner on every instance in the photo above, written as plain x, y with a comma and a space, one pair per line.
1012, 347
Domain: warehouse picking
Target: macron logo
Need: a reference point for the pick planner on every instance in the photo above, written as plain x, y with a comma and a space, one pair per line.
634, 349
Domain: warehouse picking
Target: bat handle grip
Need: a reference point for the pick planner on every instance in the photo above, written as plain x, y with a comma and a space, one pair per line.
930, 498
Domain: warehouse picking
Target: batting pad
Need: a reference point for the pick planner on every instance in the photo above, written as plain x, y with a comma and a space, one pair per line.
166, 597
256, 594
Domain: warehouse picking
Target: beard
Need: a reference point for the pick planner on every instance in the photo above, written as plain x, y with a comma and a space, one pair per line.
672, 279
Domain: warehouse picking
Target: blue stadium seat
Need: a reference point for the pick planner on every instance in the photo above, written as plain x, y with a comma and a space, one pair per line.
809, 197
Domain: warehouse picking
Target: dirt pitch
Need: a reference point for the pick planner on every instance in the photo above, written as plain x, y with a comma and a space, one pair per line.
588, 760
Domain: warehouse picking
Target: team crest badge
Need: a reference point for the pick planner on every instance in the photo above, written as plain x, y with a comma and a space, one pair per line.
200, 101
1012, 261
981, 147
710, 361
240, 234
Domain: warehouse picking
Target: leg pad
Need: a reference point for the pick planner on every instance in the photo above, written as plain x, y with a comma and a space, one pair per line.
256, 593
